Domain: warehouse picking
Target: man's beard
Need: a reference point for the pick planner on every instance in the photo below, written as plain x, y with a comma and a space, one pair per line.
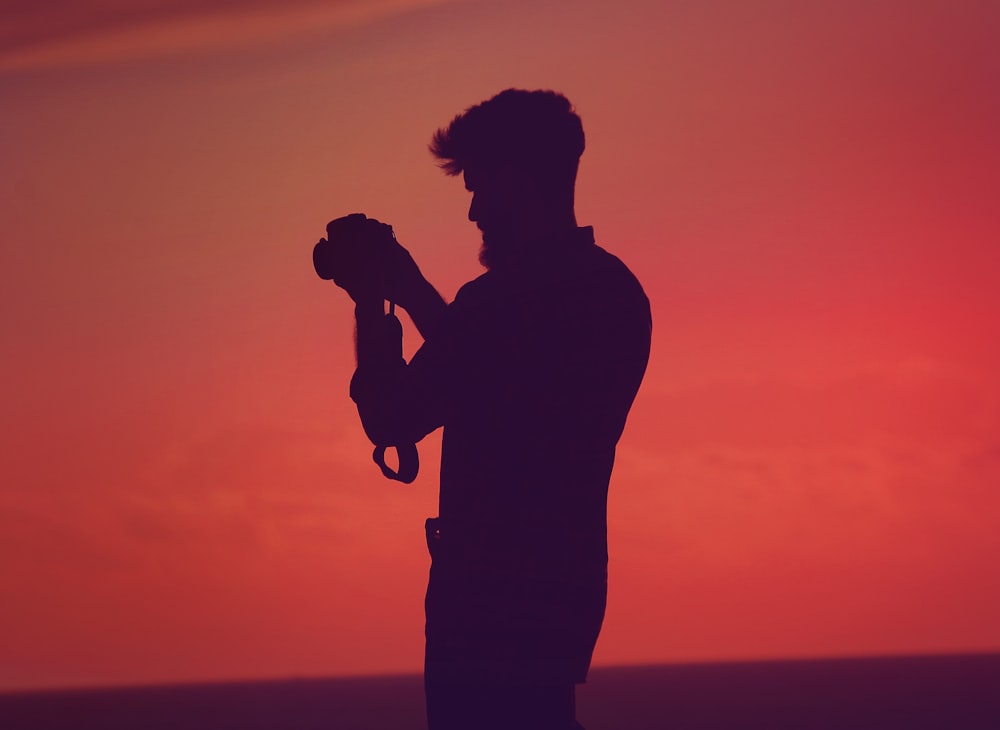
500, 251
487, 256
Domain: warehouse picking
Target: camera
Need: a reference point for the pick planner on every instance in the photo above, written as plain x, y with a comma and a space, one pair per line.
353, 244
356, 254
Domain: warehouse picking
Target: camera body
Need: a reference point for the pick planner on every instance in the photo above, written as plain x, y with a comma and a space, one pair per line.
354, 243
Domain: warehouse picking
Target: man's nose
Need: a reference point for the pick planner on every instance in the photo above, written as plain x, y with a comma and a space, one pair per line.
474, 209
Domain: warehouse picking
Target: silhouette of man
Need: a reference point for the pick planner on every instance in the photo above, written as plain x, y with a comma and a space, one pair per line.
531, 371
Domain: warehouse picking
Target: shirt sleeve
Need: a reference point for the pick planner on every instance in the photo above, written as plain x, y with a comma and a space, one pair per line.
400, 402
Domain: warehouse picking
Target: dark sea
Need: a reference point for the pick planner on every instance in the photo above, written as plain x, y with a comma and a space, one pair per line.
942, 692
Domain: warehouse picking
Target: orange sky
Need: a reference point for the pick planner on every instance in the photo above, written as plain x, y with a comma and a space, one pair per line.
807, 192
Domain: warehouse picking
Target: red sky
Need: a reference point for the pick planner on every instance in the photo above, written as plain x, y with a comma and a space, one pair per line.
807, 192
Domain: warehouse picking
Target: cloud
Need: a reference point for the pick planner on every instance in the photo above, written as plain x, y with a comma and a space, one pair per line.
67, 33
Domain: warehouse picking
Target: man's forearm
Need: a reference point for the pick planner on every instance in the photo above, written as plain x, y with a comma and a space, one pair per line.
394, 408
372, 345
425, 307
369, 338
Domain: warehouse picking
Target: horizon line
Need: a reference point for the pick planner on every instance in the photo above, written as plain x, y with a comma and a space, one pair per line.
295, 678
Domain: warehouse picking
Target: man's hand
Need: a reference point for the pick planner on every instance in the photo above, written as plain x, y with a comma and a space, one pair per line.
351, 256
362, 256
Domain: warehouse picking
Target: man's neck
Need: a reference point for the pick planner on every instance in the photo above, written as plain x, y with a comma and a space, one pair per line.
552, 227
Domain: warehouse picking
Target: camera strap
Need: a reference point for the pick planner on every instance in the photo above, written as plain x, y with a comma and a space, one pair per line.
406, 454
409, 462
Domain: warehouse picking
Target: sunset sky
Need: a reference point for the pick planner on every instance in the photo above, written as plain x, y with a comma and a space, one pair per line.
808, 192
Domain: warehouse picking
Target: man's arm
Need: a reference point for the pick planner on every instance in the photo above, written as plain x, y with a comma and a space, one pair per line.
370, 344
425, 307
410, 290
397, 403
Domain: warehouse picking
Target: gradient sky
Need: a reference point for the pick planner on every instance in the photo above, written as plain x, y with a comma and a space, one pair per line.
808, 192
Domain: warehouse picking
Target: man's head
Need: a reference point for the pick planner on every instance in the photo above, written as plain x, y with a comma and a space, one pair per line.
519, 153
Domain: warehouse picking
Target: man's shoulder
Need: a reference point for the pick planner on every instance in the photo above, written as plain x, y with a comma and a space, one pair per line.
476, 287
610, 275
476, 292
615, 268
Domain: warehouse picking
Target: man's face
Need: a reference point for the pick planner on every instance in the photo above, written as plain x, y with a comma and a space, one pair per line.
502, 208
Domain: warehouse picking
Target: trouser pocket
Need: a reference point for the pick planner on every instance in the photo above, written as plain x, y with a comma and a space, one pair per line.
432, 528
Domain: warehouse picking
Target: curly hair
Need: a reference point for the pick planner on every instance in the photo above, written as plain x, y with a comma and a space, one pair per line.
535, 131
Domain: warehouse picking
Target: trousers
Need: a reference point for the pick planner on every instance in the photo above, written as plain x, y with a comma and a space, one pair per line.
496, 706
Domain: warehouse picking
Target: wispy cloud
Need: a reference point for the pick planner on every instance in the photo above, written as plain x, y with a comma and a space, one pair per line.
68, 33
